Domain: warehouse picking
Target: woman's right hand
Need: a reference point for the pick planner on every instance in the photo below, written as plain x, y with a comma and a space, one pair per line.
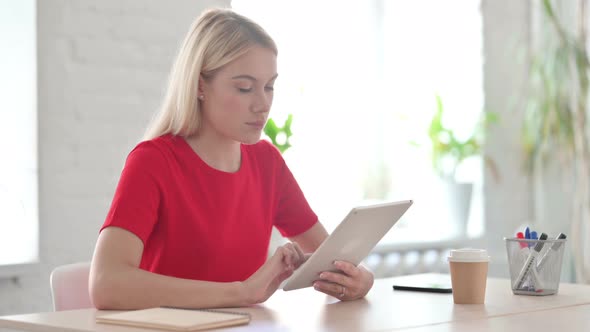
264, 282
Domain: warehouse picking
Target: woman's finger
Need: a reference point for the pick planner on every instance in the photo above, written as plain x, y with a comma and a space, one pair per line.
290, 254
285, 256
332, 289
336, 278
348, 268
300, 254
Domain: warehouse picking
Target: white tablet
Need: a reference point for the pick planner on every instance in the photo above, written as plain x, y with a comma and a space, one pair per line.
351, 241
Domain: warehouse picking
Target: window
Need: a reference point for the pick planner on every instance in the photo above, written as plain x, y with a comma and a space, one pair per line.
361, 79
18, 134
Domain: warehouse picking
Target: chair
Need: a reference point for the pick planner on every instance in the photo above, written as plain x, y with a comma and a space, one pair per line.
69, 287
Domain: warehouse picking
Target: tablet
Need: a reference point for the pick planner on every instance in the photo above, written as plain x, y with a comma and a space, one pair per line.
351, 241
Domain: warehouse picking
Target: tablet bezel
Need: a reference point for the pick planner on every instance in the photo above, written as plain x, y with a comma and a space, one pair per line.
351, 241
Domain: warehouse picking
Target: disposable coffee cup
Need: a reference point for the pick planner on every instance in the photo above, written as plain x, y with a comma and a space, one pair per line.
469, 273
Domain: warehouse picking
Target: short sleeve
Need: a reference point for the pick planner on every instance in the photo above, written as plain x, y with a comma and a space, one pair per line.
137, 197
293, 214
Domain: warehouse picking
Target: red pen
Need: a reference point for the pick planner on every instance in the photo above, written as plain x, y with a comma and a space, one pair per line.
523, 244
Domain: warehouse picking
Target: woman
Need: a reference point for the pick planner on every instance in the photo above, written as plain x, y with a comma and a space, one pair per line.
190, 222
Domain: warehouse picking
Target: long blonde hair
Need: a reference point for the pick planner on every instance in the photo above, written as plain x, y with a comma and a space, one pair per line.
216, 37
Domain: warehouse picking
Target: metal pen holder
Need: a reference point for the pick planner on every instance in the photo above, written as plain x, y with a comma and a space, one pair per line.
535, 265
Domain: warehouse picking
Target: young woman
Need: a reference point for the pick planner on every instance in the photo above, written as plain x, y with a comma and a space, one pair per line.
192, 215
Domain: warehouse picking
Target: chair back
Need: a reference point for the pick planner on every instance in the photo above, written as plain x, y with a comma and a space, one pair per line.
69, 287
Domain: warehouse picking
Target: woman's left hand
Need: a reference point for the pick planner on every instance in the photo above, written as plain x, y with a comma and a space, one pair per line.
350, 284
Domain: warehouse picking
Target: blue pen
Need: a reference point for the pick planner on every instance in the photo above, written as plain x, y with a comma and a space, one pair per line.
533, 237
527, 235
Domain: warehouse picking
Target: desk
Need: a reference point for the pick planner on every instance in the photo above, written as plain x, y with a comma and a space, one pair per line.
567, 319
382, 310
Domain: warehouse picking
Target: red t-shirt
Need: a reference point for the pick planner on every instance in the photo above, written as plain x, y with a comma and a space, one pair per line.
200, 223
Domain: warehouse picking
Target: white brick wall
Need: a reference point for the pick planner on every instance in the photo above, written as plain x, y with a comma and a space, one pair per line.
102, 69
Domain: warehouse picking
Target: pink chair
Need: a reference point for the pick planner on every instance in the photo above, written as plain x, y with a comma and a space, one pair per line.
69, 287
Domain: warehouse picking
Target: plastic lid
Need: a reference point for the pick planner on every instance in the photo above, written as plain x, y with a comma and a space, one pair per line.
468, 255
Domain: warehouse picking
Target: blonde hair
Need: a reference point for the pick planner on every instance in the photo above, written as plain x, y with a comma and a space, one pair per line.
215, 39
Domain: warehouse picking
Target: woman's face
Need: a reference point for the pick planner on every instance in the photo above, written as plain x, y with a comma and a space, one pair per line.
237, 99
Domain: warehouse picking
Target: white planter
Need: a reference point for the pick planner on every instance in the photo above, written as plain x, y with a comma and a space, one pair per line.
457, 202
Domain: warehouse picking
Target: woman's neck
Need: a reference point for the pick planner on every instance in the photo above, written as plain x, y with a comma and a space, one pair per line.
221, 154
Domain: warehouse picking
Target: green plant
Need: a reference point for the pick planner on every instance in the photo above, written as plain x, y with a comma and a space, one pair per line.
279, 136
558, 75
555, 123
448, 151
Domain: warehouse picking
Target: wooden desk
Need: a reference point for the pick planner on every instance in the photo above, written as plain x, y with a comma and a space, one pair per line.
383, 310
574, 318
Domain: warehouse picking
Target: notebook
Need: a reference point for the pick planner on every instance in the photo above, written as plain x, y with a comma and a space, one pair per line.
176, 319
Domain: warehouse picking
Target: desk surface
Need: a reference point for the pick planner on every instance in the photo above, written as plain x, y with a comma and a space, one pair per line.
382, 310
574, 318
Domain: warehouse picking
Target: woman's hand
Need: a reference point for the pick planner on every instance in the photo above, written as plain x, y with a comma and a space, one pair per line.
264, 282
350, 284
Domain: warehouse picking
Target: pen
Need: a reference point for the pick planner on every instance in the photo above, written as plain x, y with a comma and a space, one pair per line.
541, 261
527, 235
529, 262
519, 235
523, 252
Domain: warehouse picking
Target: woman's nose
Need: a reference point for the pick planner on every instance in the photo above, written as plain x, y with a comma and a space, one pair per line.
263, 102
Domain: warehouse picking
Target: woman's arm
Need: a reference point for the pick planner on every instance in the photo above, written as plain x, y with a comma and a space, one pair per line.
311, 239
117, 282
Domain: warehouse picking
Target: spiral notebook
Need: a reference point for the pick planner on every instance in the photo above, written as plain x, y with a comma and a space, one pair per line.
176, 319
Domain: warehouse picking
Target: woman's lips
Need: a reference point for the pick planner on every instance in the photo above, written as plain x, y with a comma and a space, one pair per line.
256, 124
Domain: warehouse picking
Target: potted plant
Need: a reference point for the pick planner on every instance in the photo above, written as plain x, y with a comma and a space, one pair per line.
448, 153
556, 125
279, 136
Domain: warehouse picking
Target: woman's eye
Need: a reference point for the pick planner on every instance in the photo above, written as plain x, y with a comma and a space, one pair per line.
245, 90
269, 88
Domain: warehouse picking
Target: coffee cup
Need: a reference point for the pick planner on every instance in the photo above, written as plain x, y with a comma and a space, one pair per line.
469, 272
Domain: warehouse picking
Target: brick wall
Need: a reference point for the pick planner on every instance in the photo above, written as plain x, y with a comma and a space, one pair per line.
102, 70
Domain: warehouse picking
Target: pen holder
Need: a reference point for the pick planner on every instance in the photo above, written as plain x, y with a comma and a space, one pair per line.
535, 265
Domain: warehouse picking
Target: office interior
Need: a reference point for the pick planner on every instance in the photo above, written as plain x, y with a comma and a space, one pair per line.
96, 73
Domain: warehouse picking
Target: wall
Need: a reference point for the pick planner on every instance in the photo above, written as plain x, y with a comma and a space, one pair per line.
507, 200
102, 69
543, 200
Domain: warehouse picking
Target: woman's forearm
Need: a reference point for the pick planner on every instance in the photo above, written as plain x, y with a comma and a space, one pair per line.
128, 287
117, 282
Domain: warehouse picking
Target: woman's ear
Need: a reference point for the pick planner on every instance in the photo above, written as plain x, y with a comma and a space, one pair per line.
201, 88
